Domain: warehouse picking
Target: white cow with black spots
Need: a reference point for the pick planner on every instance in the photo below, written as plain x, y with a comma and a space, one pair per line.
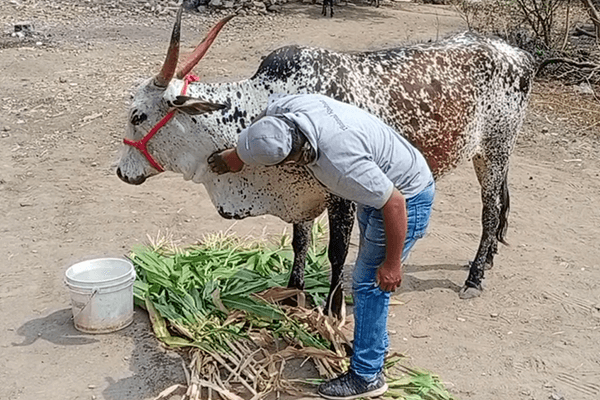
457, 99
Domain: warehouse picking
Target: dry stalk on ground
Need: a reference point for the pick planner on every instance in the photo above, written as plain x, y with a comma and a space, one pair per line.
255, 366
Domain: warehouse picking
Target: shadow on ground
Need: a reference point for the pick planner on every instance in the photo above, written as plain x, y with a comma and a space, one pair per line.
410, 283
55, 328
153, 368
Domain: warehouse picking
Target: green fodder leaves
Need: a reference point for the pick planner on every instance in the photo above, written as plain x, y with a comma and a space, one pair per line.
197, 288
413, 383
222, 298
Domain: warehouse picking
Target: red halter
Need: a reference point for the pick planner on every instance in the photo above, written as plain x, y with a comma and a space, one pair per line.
141, 144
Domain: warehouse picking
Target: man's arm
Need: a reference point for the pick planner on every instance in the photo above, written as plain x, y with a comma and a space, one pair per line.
389, 274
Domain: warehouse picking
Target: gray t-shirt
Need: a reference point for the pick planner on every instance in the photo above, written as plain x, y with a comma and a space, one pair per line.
359, 157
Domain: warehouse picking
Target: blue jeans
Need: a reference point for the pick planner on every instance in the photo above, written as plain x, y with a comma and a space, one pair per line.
370, 302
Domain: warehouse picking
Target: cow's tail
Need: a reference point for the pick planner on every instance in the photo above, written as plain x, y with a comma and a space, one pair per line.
504, 210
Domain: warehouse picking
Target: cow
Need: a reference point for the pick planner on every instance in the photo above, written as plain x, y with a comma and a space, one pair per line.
327, 3
457, 99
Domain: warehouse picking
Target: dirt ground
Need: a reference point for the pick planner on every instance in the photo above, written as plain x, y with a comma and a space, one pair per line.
534, 334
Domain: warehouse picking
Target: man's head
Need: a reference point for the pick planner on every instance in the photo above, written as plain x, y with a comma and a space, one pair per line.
268, 141
271, 141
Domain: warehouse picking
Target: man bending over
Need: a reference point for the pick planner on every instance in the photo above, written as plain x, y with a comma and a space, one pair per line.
357, 157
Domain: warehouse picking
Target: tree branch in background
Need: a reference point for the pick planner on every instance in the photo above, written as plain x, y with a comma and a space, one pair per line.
539, 15
567, 61
584, 32
566, 37
594, 15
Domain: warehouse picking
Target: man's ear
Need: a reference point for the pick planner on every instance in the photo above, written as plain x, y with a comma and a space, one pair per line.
195, 106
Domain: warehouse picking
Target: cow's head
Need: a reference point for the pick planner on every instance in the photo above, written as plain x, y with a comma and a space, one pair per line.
156, 140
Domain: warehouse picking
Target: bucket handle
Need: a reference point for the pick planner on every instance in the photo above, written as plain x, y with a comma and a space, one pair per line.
94, 292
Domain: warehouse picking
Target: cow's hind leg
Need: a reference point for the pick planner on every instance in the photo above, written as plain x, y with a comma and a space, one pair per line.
300, 244
502, 226
341, 220
492, 176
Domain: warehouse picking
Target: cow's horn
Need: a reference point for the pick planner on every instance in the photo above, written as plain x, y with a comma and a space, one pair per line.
202, 48
168, 68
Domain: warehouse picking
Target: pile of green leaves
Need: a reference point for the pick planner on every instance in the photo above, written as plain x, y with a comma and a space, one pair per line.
197, 288
205, 296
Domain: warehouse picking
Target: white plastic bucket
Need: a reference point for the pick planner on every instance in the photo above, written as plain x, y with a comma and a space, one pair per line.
101, 294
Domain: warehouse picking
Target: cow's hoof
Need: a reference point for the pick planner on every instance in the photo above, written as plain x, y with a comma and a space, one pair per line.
337, 311
468, 292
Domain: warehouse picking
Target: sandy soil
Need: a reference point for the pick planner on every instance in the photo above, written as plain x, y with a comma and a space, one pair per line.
534, 334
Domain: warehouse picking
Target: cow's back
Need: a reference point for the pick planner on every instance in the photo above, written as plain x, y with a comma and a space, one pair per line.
441, 95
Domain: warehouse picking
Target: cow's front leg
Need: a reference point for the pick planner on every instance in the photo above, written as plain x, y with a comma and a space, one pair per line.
341, 220
300, 244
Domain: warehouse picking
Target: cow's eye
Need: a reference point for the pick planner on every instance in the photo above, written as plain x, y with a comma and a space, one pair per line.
138, 118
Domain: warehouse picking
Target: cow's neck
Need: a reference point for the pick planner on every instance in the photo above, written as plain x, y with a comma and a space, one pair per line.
244, 103
252, 191
245, 100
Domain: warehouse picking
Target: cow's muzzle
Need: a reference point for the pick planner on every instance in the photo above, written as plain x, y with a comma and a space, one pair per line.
132, 181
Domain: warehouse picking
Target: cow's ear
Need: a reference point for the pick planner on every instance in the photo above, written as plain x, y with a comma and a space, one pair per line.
195, 106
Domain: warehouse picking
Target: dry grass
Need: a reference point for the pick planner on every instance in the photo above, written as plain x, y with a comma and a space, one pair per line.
255, 366
238, 339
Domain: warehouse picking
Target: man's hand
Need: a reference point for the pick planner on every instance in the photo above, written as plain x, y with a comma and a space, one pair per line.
225, 161
389, 276
217, 163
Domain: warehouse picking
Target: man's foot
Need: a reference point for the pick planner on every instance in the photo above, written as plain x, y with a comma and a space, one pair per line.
351, 386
